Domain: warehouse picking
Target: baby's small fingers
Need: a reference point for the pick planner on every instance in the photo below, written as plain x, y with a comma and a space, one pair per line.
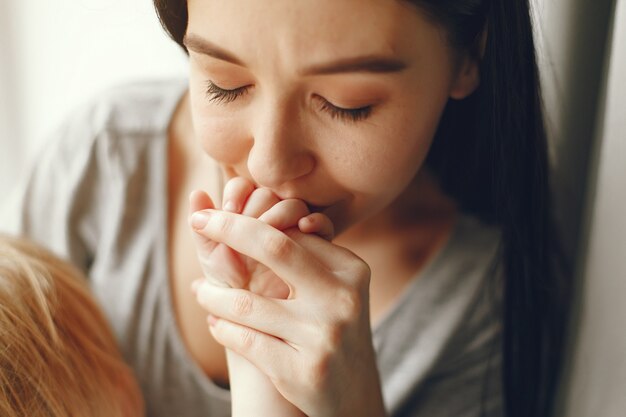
318, 224
285, 214
260, 201
236, 192
199, 200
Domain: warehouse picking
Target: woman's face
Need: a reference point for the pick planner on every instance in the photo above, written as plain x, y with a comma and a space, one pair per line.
332, 102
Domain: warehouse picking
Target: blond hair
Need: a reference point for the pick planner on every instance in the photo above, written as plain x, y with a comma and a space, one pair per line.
58, 355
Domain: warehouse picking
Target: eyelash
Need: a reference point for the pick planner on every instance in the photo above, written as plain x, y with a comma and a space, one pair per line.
347, 115
221, 95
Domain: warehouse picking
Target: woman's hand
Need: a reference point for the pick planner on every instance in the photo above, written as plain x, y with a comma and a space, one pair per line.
315, 346
252, 392
224, 266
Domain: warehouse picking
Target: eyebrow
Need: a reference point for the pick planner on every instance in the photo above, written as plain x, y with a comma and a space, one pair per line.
205, 47
368, 63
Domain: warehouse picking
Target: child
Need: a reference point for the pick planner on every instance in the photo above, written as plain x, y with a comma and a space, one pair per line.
58, 357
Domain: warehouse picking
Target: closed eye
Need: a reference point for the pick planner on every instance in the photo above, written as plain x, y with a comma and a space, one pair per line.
221, 95
346, 115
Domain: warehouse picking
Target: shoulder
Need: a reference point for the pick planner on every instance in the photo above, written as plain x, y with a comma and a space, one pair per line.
139, 108
111, 132
121, 118
102, 158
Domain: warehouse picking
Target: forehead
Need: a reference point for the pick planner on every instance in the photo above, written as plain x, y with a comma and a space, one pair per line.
292, 32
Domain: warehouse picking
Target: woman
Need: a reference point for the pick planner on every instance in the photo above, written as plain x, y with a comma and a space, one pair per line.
411, 131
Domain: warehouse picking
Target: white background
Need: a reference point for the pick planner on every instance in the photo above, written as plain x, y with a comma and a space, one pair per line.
56, 54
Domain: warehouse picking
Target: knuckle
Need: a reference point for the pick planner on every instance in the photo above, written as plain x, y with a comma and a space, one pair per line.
360, 273
349, 305
278, 245
223, 224
247, 339
242, 304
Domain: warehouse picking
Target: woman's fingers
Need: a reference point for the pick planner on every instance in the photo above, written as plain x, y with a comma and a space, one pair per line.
267, 315
263, 243
236, 192
270, 355
341, 261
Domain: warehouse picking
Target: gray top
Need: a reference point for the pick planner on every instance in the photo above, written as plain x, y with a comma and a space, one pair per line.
97, 196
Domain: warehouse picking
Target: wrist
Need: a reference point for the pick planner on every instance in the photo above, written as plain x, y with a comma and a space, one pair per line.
252, 392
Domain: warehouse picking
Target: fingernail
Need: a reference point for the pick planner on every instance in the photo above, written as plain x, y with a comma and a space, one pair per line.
211, 319
199, 220
230, 207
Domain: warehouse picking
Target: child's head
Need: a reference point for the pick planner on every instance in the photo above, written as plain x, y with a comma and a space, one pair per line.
58, 356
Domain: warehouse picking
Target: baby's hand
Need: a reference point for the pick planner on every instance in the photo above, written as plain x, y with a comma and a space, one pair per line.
223, 266
241, 197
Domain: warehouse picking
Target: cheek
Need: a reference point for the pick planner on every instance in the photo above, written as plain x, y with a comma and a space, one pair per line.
383, 159
220, 134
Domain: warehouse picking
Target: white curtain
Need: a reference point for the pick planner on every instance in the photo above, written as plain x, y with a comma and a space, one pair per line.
594, 383
55, 55
10, 149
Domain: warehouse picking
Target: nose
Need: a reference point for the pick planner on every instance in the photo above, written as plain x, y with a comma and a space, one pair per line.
280, 150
